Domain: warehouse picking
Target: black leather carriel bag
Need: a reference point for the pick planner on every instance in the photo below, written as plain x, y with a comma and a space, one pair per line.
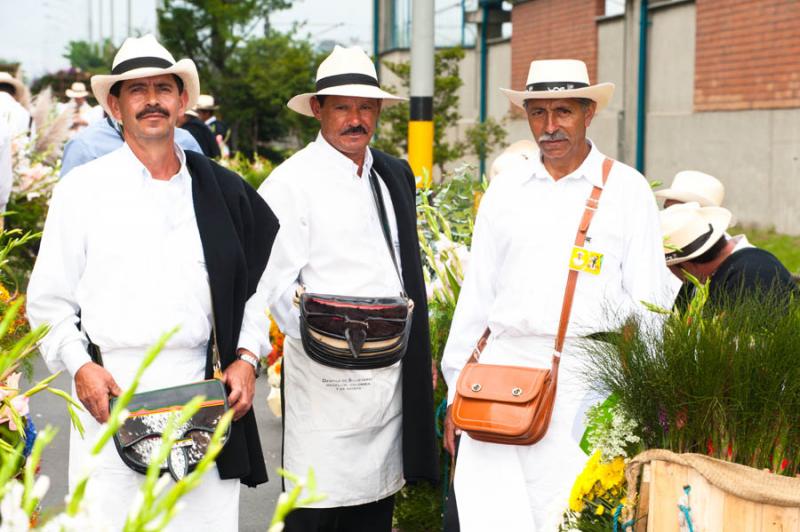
357, 332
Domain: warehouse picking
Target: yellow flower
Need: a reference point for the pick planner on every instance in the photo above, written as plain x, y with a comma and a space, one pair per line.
599, 510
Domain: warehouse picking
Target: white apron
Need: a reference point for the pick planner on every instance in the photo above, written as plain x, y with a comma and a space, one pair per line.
346, 425
112, 488
517, 488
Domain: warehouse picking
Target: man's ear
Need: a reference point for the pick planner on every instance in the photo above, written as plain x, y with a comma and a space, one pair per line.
316, 108
184, 102
113, 104
592, 107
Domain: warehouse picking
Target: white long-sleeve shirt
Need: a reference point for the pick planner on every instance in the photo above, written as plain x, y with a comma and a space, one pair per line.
346, 424
524, 235
330, 239
124, 250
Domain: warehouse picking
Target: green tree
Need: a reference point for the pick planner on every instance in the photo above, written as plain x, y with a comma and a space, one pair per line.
95, 58
393, 132
215, 34
266, 73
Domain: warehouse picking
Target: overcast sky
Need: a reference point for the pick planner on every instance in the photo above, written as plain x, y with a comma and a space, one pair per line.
36, 32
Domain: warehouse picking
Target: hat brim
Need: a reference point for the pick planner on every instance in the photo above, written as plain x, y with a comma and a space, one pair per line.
19, 87
683, 196
600, 94
184, 69
720, 219
302, 102
76, 94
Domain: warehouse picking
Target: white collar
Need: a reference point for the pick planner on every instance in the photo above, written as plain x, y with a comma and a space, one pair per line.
341, 160
181, 176
590, 169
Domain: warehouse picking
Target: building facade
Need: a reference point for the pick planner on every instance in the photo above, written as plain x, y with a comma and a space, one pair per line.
721, 89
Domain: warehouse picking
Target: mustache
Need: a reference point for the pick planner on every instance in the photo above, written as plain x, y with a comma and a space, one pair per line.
556, 135
355, 129
150, 109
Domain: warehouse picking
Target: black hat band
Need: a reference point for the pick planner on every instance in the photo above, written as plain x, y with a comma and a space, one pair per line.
346, 79
141, 62
691, 247
556, 86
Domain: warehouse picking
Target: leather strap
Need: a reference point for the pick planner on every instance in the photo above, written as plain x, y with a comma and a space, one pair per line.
381, 206
580, 238
572, 279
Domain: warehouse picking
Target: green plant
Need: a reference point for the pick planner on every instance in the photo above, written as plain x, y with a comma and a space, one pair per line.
446, 213
721, 380
393, 131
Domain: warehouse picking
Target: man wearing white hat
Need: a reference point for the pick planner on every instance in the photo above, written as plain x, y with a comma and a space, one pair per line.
364, 431
12, 112
691, 185
206, 108
81, 112
136, 242
526, 250
695, 242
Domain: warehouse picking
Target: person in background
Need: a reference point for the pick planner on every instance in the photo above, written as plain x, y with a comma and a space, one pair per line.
206, 110
201, 133
12, 111
82, 114
695, 242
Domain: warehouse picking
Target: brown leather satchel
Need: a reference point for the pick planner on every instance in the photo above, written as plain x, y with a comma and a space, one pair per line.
513, 404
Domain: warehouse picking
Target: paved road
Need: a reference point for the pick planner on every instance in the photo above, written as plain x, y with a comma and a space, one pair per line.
255, 504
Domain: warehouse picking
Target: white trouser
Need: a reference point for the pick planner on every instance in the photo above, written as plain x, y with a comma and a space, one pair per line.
525, 488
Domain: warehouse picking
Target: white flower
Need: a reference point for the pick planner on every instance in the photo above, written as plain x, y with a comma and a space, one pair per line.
14, 517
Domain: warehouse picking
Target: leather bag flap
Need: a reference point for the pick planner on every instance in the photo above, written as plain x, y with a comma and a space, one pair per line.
510, 384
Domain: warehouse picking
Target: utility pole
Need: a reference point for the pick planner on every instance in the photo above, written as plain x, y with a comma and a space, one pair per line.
129, 33
420, 125
111, 2
89, 20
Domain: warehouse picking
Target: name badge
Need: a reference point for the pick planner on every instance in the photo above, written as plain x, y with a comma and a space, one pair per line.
584, 260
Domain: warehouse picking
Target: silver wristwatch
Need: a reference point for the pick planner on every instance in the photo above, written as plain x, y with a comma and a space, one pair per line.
250, 359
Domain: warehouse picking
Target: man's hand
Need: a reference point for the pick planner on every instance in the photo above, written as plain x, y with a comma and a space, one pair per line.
94, 384
241, 381
450, 432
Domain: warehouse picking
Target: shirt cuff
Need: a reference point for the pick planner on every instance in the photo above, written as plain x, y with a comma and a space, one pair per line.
74, 356
252, 343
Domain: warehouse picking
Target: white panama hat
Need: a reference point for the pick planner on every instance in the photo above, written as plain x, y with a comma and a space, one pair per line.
77, 90
143, 57
691, 185
205, 102
19, 86
560, 78
689, 230
346, 72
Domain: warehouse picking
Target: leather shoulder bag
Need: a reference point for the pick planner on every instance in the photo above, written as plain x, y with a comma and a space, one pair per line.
357, 332
140, 434
512, 404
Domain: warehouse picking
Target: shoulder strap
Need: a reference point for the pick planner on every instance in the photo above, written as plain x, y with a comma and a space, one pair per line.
580, 238
572, 279
381, 206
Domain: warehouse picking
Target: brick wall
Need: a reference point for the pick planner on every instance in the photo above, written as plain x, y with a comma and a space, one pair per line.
747, 54
553, 29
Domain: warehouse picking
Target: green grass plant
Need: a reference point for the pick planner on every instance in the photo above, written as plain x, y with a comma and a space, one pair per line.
722, 381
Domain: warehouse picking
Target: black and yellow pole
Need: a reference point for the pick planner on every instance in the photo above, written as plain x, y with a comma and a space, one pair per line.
420, 125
